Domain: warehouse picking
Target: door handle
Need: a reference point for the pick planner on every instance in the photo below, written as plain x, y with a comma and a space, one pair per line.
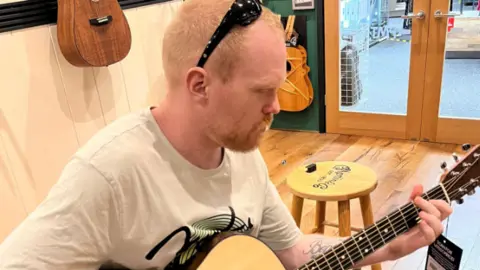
438, 14
420, 15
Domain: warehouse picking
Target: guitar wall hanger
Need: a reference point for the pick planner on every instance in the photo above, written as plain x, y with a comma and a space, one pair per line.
101, 21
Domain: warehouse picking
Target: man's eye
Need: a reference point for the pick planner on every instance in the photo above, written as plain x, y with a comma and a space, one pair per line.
266, 90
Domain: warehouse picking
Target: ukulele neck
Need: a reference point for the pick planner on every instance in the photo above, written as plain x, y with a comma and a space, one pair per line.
354, 249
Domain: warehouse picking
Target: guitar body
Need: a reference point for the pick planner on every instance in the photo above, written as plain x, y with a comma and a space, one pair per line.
92, 32
228, 251
237, 252
296, 92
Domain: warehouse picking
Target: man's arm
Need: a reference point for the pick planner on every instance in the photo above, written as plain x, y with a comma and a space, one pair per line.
279, 231
73, 228
432, 213
313, 245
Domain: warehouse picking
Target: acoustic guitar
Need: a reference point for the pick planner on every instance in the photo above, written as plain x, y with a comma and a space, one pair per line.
296, 93
92, 33
235, 251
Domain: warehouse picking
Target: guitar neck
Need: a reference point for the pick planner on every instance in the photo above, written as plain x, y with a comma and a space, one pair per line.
354, 249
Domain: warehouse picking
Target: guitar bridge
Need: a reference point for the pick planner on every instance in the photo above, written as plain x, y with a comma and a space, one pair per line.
101, 20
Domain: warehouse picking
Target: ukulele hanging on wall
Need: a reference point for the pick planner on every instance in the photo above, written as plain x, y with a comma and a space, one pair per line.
92, 33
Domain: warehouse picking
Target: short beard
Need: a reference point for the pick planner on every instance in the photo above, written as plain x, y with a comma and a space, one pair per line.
238, 141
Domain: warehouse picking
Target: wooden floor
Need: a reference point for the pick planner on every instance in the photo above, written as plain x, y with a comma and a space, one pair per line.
399, 165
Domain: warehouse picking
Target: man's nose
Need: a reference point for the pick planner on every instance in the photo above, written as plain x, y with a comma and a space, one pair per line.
274, 107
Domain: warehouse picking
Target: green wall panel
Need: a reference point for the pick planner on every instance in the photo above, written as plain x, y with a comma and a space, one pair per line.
309, 118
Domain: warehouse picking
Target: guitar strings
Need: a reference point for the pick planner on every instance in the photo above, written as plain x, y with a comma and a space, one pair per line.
435, 193
397, 221
368, 244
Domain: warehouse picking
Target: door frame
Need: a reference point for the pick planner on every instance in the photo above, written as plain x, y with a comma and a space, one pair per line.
376, 124
435, 128
427, 57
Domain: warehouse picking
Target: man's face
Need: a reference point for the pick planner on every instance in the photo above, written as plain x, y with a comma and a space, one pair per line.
242, 109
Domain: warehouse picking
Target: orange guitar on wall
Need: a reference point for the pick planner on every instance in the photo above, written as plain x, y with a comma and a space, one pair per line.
92, 32
296, 93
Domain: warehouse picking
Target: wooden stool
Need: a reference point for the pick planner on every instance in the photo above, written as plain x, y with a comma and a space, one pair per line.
338, 181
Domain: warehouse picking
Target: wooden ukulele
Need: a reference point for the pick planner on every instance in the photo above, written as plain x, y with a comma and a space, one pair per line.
92, 32
296, 93
230, 251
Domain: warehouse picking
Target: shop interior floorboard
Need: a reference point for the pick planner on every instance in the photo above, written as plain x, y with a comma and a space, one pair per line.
399, 165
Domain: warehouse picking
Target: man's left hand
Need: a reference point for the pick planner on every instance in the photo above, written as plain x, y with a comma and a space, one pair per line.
432, 213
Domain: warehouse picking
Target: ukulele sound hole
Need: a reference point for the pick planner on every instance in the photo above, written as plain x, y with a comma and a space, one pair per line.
289, 67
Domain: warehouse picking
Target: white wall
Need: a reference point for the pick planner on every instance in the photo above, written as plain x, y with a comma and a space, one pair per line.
48, 108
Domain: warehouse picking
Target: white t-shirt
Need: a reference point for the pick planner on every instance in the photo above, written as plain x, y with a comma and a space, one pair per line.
127, 190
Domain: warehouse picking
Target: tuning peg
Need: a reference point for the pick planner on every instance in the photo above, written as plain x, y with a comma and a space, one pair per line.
443, 165
466, 147
466, 164
471, 192
455, 157
460, 201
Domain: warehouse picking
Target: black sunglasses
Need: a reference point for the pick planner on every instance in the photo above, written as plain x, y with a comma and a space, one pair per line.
243, 13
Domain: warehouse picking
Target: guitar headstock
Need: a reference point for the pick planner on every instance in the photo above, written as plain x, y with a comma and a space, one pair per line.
464, 177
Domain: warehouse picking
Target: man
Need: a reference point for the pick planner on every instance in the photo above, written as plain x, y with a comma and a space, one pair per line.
145, 191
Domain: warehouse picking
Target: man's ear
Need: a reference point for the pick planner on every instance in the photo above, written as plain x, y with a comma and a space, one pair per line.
197, 82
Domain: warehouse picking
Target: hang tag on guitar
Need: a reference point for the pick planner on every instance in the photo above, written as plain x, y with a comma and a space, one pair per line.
443, 255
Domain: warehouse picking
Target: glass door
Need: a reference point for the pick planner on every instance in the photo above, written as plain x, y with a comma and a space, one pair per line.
375, 58
451, 111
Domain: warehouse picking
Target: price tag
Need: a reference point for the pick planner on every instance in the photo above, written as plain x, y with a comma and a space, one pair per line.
443, 254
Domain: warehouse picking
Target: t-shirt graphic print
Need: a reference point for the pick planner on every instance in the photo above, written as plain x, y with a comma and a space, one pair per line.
198, 235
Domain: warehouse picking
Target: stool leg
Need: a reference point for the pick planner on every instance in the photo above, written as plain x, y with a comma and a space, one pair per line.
367, 214
344, 218
319, 217
297, 206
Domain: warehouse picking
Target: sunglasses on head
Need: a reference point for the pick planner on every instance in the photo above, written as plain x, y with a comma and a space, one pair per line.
241, 12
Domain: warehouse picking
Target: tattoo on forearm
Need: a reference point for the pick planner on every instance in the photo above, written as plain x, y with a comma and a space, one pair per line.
316, 248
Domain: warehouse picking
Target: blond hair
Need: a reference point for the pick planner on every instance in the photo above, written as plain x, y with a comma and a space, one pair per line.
191, 28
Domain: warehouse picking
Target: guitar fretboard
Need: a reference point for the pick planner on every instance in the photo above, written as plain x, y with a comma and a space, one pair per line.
346, 254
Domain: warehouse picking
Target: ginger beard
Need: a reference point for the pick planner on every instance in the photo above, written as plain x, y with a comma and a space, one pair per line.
267, 120
239, 136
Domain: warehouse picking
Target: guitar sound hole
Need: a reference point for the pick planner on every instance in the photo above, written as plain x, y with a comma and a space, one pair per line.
289, 67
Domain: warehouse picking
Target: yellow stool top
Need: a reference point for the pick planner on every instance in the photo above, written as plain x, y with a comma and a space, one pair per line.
332, 181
